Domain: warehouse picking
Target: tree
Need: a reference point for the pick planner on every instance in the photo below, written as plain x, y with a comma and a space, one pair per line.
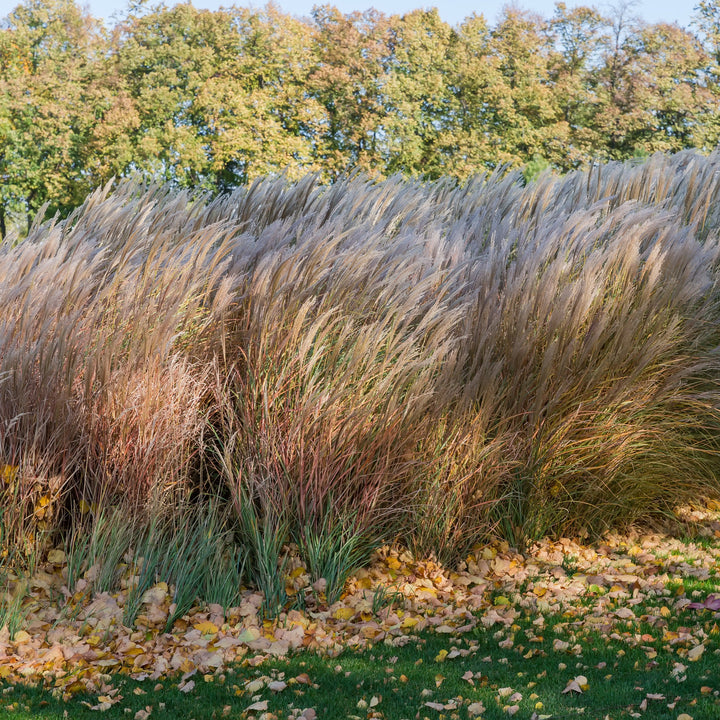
668, 102
220, 96
707, 22
579, 35
348, 82
47, 54
524, 116
418, 91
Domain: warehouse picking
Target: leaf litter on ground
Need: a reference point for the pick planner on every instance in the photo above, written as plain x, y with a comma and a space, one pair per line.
651, 594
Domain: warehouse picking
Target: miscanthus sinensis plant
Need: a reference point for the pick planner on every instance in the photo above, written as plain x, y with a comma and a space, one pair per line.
428, 363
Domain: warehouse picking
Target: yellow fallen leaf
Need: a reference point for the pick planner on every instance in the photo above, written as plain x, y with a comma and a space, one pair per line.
409, 622
8, 473
501, 600
206, 628
343, 613
440, 657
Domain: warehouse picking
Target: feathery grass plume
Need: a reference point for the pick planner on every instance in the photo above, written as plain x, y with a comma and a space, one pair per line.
496, 356
448, 502
595, 316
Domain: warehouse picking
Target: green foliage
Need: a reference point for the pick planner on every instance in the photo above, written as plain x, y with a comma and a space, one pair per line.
15, 580
537, 165
214, 100
265, 534
192, 551
333, 549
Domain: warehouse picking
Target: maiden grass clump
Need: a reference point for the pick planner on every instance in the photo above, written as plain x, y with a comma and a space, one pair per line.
362, 363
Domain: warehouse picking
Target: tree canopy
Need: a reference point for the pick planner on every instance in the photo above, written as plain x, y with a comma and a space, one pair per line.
213, 100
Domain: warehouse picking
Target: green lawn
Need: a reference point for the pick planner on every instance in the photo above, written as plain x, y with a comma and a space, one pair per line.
630, 651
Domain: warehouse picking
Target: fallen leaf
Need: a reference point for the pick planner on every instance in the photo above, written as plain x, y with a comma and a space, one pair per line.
206, 628
475, 709
262, 705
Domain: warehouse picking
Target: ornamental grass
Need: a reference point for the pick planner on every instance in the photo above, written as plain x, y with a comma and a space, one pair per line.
321, 370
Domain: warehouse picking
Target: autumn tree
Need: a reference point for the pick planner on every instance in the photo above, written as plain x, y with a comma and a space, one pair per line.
578, 35
707, 23
213, 100
419, 94
348, 82
47, 54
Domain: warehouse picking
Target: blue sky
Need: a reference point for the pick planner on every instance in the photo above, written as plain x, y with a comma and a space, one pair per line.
679, 11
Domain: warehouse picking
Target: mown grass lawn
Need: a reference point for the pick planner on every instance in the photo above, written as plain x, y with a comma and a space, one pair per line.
639, 651
417, 681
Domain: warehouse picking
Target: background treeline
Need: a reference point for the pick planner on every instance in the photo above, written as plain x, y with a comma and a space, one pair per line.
215, 99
